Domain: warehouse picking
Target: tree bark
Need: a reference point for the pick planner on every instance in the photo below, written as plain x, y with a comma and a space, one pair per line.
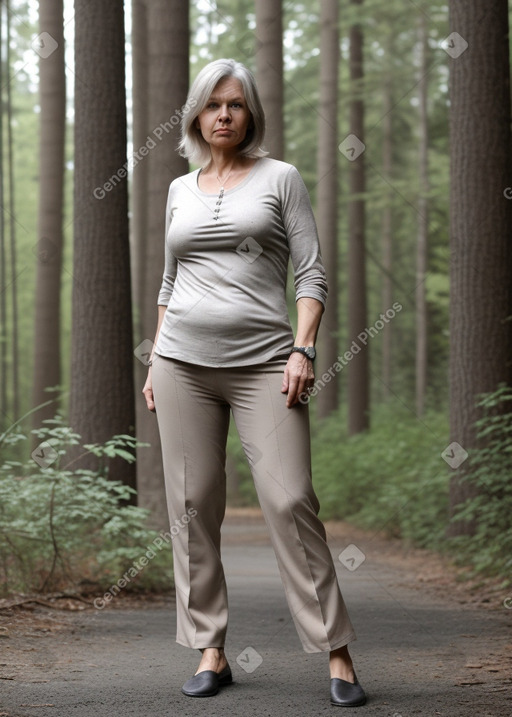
168, 80
358, 384
269, 71
481, 220
387, 223
101, 400
52, 91
3, 250
14, 341
327, 198
140, 177
422, 244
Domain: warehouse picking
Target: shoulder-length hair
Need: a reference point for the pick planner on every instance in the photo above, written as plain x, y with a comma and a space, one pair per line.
192, 145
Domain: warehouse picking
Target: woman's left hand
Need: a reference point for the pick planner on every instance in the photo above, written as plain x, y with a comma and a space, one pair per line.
298, 378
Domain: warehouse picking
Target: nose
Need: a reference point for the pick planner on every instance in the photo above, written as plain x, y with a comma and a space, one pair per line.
224, 114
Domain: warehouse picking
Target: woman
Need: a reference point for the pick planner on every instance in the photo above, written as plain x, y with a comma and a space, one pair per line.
224, 343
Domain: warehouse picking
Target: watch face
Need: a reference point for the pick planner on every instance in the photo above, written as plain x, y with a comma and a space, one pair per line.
311, 352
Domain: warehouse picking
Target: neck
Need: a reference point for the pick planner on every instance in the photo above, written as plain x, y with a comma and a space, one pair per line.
222, 163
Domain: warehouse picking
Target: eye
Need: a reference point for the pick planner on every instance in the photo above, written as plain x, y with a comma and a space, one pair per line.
237, 105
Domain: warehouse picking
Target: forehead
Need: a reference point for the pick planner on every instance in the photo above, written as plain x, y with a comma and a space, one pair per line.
228, 87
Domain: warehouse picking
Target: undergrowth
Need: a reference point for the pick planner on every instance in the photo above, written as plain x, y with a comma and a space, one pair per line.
70, 528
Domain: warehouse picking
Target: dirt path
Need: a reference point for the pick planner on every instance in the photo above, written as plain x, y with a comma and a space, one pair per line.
427, 644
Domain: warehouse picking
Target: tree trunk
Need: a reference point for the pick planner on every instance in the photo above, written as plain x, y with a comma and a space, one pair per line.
52, 91
481, 219
422, 244
269, 71
101, 400
387, 224
168, 33
141, 130
3, 251
358, 383
12, 225
327, 197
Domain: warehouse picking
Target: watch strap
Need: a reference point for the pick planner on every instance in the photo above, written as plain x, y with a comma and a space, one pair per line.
305, 351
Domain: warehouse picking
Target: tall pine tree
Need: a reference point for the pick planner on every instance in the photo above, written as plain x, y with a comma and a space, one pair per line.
102, 391
481, 219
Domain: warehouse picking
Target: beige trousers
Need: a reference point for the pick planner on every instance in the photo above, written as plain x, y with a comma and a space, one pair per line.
193, 405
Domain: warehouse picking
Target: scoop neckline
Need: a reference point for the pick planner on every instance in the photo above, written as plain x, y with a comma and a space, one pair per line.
231, 189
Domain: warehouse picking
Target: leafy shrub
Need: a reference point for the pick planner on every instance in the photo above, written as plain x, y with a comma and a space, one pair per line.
391, 478
65, 528
489, 470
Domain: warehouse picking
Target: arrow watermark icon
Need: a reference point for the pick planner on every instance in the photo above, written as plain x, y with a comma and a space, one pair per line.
351, 557
44, 455
44, 44
249, 659
454, 45
352, 147
454, 455
249, 249
143, 351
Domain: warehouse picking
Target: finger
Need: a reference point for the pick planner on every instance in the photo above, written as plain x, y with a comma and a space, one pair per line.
304, 385
285, 384
293, 391
150, 403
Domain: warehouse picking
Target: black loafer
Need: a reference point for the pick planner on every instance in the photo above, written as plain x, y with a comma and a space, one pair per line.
347, 694
207, 683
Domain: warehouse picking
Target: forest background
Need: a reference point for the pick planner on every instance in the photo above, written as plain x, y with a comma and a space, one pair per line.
397, 115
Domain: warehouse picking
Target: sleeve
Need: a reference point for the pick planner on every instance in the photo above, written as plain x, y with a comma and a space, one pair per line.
170, 266
300, 226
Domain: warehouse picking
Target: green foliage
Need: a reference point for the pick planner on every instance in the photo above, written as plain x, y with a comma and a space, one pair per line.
489, 471
66, 527
389, 479
226, 28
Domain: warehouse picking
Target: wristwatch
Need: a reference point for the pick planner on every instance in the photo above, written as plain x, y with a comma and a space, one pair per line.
308, 351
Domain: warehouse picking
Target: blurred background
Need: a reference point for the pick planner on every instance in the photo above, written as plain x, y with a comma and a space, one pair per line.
397, 115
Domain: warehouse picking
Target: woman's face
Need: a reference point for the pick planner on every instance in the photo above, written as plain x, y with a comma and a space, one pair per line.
225, 118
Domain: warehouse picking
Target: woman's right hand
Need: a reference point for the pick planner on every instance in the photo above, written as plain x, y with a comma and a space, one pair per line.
148, 393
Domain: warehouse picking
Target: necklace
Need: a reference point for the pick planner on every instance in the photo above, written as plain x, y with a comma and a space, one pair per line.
222, 182
221, 193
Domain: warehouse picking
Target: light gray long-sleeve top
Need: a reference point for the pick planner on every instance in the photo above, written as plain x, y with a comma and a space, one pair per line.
224, 281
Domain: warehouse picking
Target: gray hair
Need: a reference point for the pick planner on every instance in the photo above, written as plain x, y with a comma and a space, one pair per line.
192, 145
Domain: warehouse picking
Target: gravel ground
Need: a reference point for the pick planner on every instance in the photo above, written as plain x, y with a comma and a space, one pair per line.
427, 644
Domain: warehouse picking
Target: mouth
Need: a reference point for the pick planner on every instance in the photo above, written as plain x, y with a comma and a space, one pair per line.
223, 130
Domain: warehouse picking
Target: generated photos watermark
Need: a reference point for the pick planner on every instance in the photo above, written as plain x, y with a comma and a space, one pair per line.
157, 134
352, 147
249, 659
454, 45
454, 455
164, 538
351, 557
362, 340
44, 44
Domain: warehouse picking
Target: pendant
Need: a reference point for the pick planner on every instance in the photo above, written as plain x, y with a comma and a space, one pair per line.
218, 203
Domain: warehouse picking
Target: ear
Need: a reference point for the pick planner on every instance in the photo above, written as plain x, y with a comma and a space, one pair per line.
197, 124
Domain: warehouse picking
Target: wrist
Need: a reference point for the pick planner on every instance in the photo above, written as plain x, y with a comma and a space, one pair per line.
307, 351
